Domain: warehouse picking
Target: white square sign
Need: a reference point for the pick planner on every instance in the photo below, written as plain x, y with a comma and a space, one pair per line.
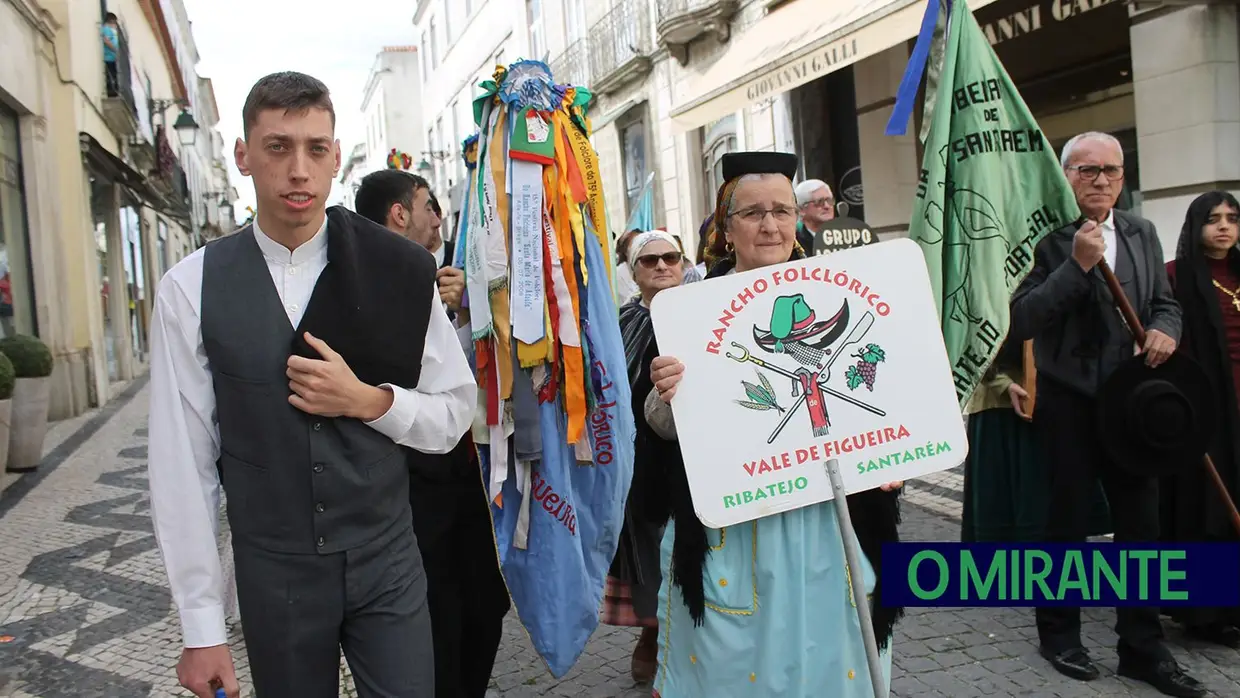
836, 356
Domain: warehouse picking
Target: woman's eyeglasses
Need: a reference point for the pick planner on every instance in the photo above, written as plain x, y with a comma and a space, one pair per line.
650, 261
754, 215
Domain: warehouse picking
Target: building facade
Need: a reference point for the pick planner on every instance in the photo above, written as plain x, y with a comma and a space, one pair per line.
678, 83
94, 198
199, 157
392, 116
352, 170
392, 106
460, 42
218, 197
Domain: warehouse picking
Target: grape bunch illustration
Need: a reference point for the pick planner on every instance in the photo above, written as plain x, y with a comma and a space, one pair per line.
866, 368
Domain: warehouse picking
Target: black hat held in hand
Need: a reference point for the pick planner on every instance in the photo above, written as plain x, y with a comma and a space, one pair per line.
1156, 422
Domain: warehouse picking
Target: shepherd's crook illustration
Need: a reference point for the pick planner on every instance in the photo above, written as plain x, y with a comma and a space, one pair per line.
856, 335
812, 384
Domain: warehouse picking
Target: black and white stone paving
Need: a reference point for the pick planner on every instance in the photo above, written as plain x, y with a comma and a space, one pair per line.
85, 608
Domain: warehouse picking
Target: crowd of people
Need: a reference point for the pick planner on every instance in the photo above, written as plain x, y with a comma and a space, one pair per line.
316, 365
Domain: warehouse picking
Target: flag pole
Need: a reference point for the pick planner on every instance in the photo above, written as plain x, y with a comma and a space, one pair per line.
852, 554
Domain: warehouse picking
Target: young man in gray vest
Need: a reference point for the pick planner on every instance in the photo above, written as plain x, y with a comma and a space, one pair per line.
300, 362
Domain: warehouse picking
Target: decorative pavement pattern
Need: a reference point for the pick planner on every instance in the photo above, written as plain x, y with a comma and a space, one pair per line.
85, 608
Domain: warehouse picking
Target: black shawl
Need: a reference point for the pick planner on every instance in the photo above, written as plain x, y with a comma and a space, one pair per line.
638, 334
637, 557
1204, 339
875, 515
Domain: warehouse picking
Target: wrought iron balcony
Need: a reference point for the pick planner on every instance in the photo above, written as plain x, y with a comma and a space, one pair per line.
621, 46
120, 109
573, 66
681, 22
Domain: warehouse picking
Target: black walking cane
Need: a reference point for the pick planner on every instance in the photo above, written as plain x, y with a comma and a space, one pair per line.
1138, 332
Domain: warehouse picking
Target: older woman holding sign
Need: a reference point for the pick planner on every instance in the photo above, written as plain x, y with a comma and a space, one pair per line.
632, 592
796, 632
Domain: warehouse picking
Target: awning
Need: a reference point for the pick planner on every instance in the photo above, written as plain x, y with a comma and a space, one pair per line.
795, 44
120, 173
115, 169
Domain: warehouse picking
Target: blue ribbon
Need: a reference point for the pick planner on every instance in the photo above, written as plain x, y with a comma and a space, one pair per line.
906, 96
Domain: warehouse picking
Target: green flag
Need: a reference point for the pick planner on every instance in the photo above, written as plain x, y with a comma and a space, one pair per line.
990, 189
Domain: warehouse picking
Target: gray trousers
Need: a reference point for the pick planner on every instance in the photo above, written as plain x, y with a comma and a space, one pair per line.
299, 611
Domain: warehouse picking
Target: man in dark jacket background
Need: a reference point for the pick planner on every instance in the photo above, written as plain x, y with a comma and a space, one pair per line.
1079, 340
465, 589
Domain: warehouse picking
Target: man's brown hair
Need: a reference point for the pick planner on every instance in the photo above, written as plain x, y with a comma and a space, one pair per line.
288, 91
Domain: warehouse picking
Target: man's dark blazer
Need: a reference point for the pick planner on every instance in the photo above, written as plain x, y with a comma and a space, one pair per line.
1079, 336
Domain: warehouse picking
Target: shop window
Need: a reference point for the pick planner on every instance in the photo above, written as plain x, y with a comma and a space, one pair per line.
718, 139
574, 20
434, 45
633, 142
16, 288
538, 42
425, 57
161, 248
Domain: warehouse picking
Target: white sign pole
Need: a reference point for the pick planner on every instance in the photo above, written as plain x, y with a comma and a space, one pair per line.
852, 553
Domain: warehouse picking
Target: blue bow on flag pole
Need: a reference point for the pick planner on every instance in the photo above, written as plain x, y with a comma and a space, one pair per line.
906, 96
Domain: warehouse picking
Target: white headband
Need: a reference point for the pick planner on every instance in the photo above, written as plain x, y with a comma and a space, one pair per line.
643, 239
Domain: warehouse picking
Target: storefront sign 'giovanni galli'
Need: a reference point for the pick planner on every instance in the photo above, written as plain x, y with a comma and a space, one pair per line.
991, 188
812, 67
827, 357
842, 234
1035, 16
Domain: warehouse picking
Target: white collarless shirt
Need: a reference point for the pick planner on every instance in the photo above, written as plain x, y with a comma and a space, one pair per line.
1108, 237
184, 433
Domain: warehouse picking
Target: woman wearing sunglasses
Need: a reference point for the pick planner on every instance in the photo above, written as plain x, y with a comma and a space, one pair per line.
632, 592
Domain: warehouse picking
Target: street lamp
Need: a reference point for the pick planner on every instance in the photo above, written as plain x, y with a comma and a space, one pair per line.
186, 128
425, 169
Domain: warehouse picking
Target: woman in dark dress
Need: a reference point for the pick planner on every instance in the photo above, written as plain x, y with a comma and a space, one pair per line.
632, 593
1206, 278
1007, 486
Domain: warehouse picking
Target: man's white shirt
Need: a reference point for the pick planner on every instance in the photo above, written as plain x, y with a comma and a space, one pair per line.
184, 433
1108, 236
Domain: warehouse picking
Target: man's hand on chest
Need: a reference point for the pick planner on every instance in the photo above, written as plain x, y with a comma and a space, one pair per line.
327, 387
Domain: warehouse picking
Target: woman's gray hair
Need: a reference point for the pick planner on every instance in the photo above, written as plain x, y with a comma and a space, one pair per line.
1065, 156
757, 177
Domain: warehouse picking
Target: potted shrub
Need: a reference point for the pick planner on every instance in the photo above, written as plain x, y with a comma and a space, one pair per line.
32, 366
7, 377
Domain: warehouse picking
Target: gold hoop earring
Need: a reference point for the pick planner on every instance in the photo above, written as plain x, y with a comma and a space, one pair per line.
729, 248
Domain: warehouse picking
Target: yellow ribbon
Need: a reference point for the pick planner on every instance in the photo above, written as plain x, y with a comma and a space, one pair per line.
587, 164
500, 312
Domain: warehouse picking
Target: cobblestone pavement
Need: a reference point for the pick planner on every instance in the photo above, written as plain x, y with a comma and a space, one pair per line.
85, 609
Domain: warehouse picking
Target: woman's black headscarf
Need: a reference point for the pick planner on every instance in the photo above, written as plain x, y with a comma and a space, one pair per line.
1204, 336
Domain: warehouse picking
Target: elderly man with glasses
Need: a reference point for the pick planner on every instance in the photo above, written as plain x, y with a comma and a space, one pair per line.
816, 205
1079, 341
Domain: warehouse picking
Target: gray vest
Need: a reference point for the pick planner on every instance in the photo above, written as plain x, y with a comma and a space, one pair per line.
295, 483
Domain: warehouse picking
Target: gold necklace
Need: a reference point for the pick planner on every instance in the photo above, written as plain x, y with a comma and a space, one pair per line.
1235, 301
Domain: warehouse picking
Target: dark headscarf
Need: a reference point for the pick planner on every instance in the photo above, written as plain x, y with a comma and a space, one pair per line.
1204, 336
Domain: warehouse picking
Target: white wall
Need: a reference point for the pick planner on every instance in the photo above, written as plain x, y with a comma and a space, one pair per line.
465, 58
1186, 84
